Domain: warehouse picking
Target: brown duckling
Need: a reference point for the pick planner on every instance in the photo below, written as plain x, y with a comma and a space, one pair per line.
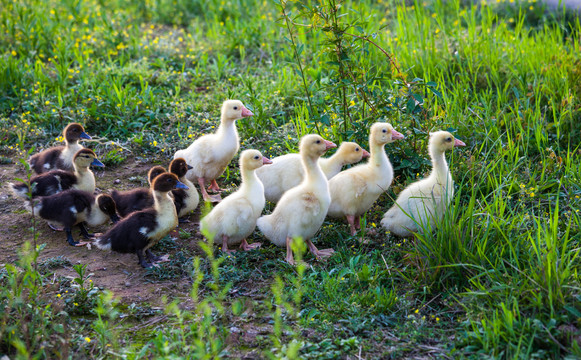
184, 200
136, 199
55, 181
60, 157
143, 229
75, 207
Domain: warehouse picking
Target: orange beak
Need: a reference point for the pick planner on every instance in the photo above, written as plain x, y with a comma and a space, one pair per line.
246, 112
396, 135
329, 144
266, 160
366, 154
458, 143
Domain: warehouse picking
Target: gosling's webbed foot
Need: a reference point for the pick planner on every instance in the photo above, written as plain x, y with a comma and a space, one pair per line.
325, 253
246, 246
213, 198
214, 187
290, 260
289, 252
352, 224
225, 245
319, 254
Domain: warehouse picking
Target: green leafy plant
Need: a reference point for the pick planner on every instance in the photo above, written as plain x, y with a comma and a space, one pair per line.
31, 323
113, 157
84, 295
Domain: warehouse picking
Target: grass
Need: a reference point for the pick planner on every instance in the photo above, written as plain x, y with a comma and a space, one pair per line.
498, 280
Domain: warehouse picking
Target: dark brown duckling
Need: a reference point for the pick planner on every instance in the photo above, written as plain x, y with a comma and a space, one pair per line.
55, 181
184, 200
75, 207
60, 157
136, 199
143, 229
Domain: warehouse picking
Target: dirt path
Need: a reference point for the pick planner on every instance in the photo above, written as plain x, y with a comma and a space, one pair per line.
119, 273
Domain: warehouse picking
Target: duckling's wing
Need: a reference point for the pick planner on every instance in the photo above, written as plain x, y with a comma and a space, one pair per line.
310, 203
348, 185
245, 212
64, 206
130, 234
142, 199
205, 150
232, 214
52, 182
311, 213
133, 200
300, 209
46, 160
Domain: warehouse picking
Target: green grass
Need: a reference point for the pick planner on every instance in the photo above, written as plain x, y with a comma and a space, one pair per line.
499, 279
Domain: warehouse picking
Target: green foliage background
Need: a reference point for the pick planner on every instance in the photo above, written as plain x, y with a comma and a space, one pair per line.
148, 77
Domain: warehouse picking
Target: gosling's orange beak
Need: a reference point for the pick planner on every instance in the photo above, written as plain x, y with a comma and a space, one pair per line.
396, 135
366, 154
458, 143
266, 160
246, 112
329, 144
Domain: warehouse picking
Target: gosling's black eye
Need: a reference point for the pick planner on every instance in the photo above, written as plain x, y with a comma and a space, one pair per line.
169, 179
256, 157
384, 130
235, 107
449, 139
356, 149
318, 141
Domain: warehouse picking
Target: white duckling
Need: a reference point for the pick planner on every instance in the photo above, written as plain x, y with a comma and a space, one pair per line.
287, 170
354, 190
425, 202
210, 154
234, 218
302, 209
